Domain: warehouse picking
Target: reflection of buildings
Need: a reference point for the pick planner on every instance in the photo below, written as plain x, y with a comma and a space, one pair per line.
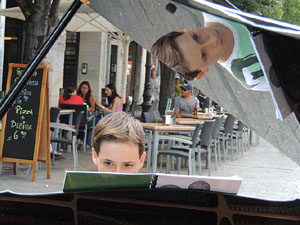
98, 57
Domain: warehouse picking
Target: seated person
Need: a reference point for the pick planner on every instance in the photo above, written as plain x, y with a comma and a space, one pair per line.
119, 144
114, 100
203, 100
70, 97
84, 90
177, 87
185, 103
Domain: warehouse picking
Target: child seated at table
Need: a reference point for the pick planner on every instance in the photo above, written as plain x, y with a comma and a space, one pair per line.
119, 144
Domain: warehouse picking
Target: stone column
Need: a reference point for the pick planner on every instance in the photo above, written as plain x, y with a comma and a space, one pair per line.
2, 30
140, 74
56, 57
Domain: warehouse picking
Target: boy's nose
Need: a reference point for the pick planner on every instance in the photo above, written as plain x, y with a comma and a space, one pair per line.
210, 42
118, 169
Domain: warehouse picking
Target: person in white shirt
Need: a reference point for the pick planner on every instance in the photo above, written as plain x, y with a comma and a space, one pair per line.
155, 85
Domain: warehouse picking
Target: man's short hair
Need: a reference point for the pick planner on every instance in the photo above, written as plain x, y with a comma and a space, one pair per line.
166, 49
119, 127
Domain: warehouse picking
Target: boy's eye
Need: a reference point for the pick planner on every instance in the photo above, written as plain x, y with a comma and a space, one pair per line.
195, 38
128, 165
203, 55
108, 163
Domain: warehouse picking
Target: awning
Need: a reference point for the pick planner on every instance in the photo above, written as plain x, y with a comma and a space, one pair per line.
85, 20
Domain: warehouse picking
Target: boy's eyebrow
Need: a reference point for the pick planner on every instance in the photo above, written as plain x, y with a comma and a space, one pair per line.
129, 162
107, 160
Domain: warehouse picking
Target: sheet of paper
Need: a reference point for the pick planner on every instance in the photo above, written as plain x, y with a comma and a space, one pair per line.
219, 184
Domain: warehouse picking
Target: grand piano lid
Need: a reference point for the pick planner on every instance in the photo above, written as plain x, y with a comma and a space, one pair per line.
147, 20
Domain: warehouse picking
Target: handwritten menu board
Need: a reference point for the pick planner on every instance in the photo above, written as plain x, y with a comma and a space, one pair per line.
25, 122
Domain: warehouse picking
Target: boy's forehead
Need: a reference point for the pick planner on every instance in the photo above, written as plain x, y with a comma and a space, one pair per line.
117, 149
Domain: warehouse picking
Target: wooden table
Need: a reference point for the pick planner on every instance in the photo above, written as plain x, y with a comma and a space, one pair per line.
188, 121
160, 127
200, 116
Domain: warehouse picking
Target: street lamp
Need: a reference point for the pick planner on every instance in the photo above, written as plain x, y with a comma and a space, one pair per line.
147, 90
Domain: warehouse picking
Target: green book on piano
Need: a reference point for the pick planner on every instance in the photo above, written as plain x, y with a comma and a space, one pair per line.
86, 180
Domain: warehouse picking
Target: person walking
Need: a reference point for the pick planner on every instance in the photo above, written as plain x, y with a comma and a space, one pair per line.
155, 85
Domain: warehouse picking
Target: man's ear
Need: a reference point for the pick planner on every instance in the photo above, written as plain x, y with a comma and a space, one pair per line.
95, 157
142, 159
202, 74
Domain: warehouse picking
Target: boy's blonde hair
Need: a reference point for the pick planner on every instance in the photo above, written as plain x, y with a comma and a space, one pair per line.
119, 127
167, 51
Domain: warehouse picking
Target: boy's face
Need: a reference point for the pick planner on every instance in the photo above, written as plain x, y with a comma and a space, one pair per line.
202, 47
118, 157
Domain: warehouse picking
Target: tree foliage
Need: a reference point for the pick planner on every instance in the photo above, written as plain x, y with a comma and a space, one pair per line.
285, 10
291, 11
40, 18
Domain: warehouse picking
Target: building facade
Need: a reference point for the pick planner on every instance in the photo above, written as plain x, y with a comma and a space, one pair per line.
97, 57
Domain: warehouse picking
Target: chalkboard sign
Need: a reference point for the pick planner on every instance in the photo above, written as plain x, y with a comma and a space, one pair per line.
26, 122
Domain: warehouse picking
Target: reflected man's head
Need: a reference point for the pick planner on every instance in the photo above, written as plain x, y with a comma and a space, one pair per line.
191, 52
119, 144
186, 90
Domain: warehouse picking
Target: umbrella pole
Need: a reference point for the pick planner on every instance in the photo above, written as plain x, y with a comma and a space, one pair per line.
13, 93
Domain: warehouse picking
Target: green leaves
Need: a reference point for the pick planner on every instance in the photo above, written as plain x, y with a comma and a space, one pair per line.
285, 10
27, 12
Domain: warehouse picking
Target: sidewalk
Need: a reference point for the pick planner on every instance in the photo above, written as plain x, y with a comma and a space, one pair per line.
266, 173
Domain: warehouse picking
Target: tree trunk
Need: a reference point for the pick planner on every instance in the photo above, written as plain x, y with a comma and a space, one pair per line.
167, 86
40, 18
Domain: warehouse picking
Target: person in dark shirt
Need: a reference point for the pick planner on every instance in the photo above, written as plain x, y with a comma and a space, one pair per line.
203, 100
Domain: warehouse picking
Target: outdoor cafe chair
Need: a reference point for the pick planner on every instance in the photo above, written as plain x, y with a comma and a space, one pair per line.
157, 114
205, 145
237, 135
87, 121
207, 141
182, 148
54, 114
215, 142
149, 118
54, 117
74, 130
226, 134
